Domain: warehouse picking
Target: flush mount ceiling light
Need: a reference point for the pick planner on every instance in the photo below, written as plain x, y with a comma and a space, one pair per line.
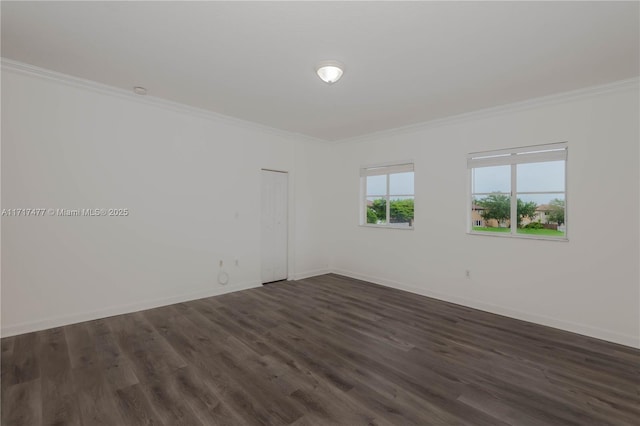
330, 71
138, 90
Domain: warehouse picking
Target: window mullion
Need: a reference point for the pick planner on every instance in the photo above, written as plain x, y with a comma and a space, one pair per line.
364, 201
513, 225
388, 203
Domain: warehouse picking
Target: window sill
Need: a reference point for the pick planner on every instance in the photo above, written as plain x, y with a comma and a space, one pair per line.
519, 236
402, 228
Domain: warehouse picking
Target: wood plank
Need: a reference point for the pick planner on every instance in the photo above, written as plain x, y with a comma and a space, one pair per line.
98, 405
134, 407
21, 404
59, 401
22, 365
170, 404
117, 368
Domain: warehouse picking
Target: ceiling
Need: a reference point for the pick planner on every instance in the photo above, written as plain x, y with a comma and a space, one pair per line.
406, 62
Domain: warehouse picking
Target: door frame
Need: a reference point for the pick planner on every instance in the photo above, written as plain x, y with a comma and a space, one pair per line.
289, 230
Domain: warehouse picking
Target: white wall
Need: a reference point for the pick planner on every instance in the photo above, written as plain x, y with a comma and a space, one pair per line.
185, 176
589, 284
312, 191
191, 184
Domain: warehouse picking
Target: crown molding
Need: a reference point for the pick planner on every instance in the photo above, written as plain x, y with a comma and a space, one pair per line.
556, 98
43, 73
593, 91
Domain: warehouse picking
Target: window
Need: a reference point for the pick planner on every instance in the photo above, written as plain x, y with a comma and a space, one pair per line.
519, 192
387, 196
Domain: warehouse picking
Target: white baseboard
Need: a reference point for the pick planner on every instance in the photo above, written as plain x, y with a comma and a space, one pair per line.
309, 274
44, 324
587, 330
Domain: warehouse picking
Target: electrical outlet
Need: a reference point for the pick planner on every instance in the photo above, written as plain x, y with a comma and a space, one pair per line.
221, 263
467, 273
237, 262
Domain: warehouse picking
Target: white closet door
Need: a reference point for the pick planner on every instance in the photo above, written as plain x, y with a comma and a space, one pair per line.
274, 225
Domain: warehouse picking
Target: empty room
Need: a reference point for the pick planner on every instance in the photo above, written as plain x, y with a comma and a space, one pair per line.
320, 213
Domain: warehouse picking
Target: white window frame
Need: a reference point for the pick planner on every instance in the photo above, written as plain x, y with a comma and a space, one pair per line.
381, 170
513, 157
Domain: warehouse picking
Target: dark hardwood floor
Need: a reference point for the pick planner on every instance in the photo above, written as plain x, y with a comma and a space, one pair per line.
326, 350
